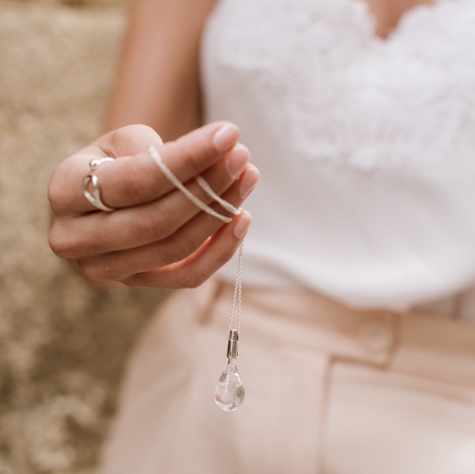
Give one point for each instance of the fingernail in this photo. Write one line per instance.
(242, 225)
(225, 137)
(248, 181)
(237, 161)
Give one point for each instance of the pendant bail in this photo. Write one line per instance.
(233, 344)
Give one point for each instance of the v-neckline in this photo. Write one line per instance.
(394, 32)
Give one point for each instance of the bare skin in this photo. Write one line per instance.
(156, 237)
(158, 81)
(388, 13)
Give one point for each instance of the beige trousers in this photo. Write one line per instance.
(328, 391)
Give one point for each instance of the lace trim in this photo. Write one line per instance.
(351, 97)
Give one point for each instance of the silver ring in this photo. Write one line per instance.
(96, 162)
(95, 197)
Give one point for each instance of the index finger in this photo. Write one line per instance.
(133, 178)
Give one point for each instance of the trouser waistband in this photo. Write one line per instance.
(413, 342)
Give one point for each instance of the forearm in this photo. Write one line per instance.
(158, 76)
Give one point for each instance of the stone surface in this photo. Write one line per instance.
(63, 344)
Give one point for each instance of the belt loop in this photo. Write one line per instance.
(378, 334)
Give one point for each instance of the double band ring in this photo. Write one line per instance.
(92, 181)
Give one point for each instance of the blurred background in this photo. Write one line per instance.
(63, 344)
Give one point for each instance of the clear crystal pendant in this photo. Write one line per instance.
(229, 393)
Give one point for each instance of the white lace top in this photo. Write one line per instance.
(366, 146)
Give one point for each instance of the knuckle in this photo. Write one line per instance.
(140, 280)
(190, 156)
(55, 191)
(60, 241)
(135, 185)
(127, 140)
(224, 256)
(197, 279)
(53, 194)
(152, 226)
(91, 269)
(176, 249)
(191, 153)
(190, 279)
(132, 281)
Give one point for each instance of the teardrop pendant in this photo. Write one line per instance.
(229, 393)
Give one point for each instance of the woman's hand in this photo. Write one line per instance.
(156, 237)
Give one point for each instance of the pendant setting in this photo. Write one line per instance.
(229, 393)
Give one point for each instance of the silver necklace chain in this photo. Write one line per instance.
(237, 296)
(225, 204)
(157, 159)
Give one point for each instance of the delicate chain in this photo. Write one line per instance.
(237, 296)
(207, 188)
(156, 157)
